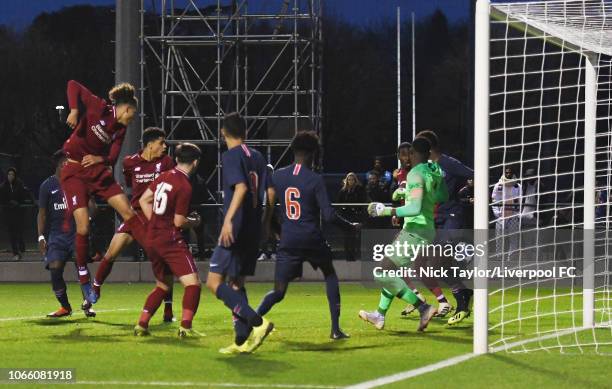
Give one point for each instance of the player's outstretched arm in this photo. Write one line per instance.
(414, 201)
(327, 210)
(457, 168)
(146, 203)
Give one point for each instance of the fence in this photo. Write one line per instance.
(202, 240)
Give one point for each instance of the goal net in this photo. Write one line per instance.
(547, 158)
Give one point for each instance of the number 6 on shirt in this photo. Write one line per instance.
(292, 206)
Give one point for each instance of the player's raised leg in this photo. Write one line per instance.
(93, 146)
(139, 170)
(117, 244)
(81, 246)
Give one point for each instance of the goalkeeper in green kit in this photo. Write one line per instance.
(425, 187)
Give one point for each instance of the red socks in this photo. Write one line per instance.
(153, 302)
(191, 300)
(105, 268)
(81, 244)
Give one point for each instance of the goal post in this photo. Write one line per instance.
(481, 170)
(543, 77)
(590, 119)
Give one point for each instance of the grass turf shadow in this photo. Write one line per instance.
(563, 378)
(254, 365)
(336, 346)
(49, 322)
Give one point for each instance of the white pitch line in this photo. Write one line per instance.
(453, 361)
(412, 373)
(2, 319)
(204, 384)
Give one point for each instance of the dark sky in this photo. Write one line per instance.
(19, 13)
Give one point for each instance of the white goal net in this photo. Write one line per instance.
(548, 153)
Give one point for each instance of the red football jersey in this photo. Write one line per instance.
(97, 132)
(401, 177)
(139, 173)
(171, 196)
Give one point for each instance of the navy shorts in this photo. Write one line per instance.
(289, 262)
(59, 249)
(234, 261)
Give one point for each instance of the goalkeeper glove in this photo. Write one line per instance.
(399, 194)
(378, 209)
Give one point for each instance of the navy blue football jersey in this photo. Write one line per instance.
(243, 164)
(51, 197)
(303, 200)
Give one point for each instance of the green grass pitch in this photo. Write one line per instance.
(298, 353)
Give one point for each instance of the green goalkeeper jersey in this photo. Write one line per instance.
(429, 177)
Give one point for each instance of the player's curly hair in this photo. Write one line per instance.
(305, 142)
(123, 93)
(152, 133)
(187, 152)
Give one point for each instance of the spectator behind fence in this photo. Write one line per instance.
(601, 202)
(466, 198)
(506, 198)
(376, 190)
(13, 195)
(352, 192)
(384, 176)
(536, 207)
(529, 212)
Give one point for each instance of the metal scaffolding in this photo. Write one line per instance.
(203, 59)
